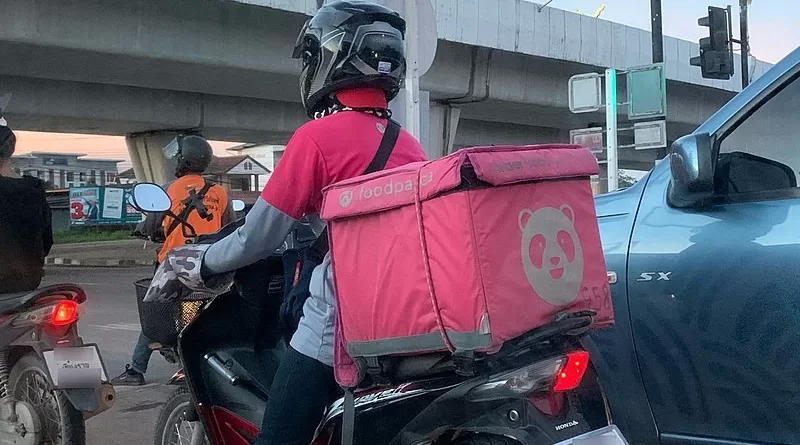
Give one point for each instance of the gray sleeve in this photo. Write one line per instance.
(264, 230)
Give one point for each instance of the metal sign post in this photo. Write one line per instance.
(421, 40)
(412, 123)
(611, 130)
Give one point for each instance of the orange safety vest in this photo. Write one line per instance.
(215, 200)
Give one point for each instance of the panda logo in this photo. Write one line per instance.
(345, 199)
(551, 253)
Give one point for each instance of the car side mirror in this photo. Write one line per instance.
(150, 198)
(692, 166)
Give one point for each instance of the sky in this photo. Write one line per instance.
(773, 23)
(106, 147)
(773, 34)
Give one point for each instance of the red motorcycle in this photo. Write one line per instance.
(527, 393)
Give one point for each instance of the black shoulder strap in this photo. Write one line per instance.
(188, 207)
(388, 141)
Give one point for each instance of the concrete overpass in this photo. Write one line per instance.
(123, 67)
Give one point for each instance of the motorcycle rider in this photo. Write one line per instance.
(26, 232)
(353, 63)
(193, 154)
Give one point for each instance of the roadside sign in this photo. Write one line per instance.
(95, 205)
(591, 138)
(649, 135)
(646, 99)
(585, 93)
(647, 92)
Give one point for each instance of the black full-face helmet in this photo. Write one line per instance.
(192, 153)
(350, 44)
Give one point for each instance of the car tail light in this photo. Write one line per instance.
(572, 371)
(64, 313)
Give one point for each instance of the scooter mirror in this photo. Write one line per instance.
(150, 198)
(238, 205)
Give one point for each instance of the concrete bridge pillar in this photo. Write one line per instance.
(148, 160)
(443, 126)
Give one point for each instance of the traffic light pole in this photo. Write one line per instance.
(744, 43)
(657, 30)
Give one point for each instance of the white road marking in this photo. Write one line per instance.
(130, 327)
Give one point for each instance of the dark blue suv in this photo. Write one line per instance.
(704, 253)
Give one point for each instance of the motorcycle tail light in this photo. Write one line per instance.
(60, 313)
(572, 371)
(519, 382)
(65, 313)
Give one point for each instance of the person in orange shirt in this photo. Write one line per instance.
(196, 200)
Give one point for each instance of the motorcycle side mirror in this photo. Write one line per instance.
(238, 205)
(150, 198)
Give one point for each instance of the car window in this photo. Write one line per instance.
(763, 153)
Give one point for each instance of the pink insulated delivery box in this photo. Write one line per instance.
(465, 252)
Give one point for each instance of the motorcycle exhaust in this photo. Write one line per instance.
(106, 396)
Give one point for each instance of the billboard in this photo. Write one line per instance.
(93, 205)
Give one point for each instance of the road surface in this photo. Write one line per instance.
(110, 319)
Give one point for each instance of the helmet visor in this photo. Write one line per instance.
(172, 149)
(299, 45)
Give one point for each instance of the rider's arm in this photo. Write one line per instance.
(293, 190)
(152, 225)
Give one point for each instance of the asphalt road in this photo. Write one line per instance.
(110, 319)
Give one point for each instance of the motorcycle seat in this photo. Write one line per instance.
(10, 302)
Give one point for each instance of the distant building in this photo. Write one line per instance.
(240, 175)
(237, 173)
(267, 155)
(64, 170)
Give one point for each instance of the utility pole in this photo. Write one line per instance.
(657, 30)
(744, 42)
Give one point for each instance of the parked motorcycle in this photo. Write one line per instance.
(50, 381)
(524, 394)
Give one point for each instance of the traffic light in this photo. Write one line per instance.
(716, 55)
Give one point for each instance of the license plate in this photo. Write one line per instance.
(609, 435)
(76, 367)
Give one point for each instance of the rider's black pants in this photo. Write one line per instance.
(300, 392)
